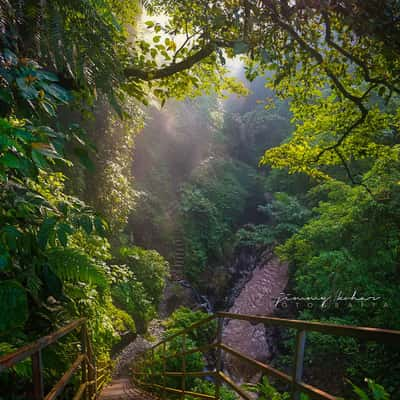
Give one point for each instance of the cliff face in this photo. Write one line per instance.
(256, 296)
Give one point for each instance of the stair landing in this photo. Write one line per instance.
(123, 389)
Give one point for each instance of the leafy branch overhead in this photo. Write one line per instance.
(317, 53)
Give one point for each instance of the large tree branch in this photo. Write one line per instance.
(318, 57)
(190, 61)
(350, 175)
(353, 58)
(359, 101)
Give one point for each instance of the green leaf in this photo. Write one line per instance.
(45, 230)
(156, 39)
(23, 134)
(153, 52)
(57, 92)
(48, 76)
(86, 223)
(10, 57)
(39, 160)
(100, 226)
(13, 305)
(11, 161)
(4, 260)
(6, 142)
(63, 231)
(62, 237)
(378, 391)
(28, 91)
(48, 108)
(11, 234)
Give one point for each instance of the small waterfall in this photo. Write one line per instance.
(201, 300)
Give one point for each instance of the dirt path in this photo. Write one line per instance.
(268, 280)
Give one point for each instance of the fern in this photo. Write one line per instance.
(73, 265)
(84, 40)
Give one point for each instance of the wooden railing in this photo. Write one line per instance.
(84, 361)
(294, 380)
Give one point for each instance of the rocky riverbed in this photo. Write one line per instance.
(254, 295)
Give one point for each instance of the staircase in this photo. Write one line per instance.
(123, 389)
(178, 267)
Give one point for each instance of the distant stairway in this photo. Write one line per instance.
(178, 266)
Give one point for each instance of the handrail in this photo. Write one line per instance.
(386, 336)
(361, 332)
(85, 360)
(11, 359)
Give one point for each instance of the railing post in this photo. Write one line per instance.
(219, 358)
(183, 365)
(298, 363)
(37, 375)
(164, 353)
(152, 365)
(84, 340)
(92, 375)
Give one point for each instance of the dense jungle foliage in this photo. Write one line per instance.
(76, 232)
(66, 190)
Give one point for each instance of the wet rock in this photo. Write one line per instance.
(182, 294)
(260, 285)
